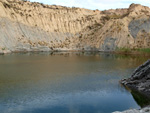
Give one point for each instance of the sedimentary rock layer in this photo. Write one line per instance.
(32, 26)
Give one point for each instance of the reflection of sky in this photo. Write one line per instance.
(95, 100)
(74, 83)
(95, 4)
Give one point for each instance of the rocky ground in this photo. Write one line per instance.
(32, 26)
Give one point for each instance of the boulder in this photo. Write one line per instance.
(139, 80)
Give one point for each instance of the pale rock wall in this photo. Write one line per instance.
(27, 26)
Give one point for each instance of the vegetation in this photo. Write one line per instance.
(146, 50)
(138, 50)
(115, 16)
(123, 49)
(6, 5)
(3, 49)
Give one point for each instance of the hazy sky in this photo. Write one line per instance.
(95, 4)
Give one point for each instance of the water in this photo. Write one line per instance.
(65, 82)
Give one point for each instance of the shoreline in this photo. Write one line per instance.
(77, 50)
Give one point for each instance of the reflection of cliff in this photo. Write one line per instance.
(140, 99)
(27, 26)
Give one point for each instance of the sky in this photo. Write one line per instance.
(95, 4)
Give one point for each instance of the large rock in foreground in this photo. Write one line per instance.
(140, 80)
(139, 84)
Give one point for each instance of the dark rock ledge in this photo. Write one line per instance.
(139, 86)
(139, 80)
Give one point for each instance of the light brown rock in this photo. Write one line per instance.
(26, 25)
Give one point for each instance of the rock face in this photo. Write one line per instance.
(32, 26)
(139, 85)
(140, 79)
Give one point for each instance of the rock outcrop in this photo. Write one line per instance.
(140, 80)
(139, 86)
(32, 26)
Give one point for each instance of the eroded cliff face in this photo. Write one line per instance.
(27, 26)
(121, 28)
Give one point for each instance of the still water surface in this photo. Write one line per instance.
(65, 82)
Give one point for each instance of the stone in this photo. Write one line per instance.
(140, 79)
(139, 85)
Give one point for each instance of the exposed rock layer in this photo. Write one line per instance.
(27, 26)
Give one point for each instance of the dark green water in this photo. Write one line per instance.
(65, 82)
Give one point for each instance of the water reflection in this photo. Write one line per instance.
(78, 82)
(141, 99)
